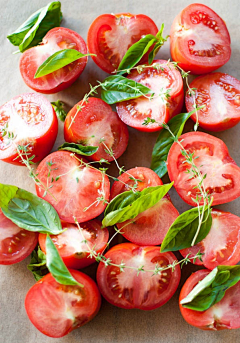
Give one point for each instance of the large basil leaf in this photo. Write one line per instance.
(58, 108)
(125, 206)
(28, 211)
(79, 149)
(212, 288)
(37, 264)
(117, 88)
(182, 232)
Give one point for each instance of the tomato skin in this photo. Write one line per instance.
(214, 160)
(121, 25)
(223, 315)
(56, 39)
(56, 310)
(99, 120)
(220, 93)
(205, 60)
(20, 122)
(65, 244)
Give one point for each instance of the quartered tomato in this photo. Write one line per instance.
(219, 93)
(71, 243)
(27, 120)
(73, 188)
(222, 244)
(222, 173)
(132, 289)
(223, 315)
(199, 40)
(55, 309)
(111, 35)
(161, 108)
(97, 125)
(15, 243)
(59, 38)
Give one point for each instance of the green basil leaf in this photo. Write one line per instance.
(212, 288)
(56, 265)
(37, 264)
(165, 141)
(182, 231)
(28, 211)
(128, 209)
(117, 88)
(160, 42)
(58, 108)
(79, 149)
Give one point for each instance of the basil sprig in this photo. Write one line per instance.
(160, 42)
(79, 149)
(128, 205)
(28, 211)
(37, 264)
(58, 108)
(182, 232)
(212, 288)
(32, 31)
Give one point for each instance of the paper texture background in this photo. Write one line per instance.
(112, 324)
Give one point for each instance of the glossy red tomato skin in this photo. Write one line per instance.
(99, 120)
(75, 193)
(139, 295)
(214, 160)
(221, 316)
(47, 298)
(105, 23)
(222, 244)
(34, 114)
(220, 94)
(78, 259)
(58, 38)
(180, 37)
(16, 243)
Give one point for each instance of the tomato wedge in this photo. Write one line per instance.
(55, 309)
(130, 289)
(27, 120)
(223, 315)
(111, 35)
(200, 40)
(222, 173)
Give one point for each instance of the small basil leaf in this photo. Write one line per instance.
(181, 233)
(28, 211)
(117, 88)
(132, 207)
(58, 108)
(160, 42)
(56, 265)
(122, 200)
(165, 141)
(212, 288)
(79, 149)
(37, 264)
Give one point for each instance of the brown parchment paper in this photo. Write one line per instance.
(111, 324)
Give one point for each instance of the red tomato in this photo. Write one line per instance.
(199, 40)
(111, 35)
(77, 190)
(71, 245)
(222, 244)
(27, 120)
(220, 94)
(59, 38)
(143, 290)
(55, 309)
(223, 315)
(133, 112)
(15, 243)
(223, 174)
(95, 122)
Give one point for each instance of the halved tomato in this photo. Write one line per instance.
(111, 35)
(71, 243)
(132, 289)
(200, 40)
(27, 120)
(56, 39)
(97, 122)
(219, 93)
(211, 158)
